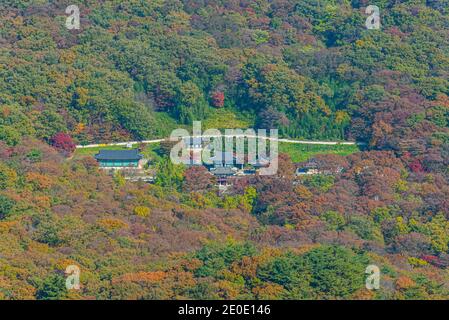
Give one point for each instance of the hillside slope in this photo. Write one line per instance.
(138, 69)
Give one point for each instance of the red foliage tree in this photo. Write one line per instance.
(416, 166)
(198, 179)
(63, 143)
(218, 98)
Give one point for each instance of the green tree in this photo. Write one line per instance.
(327, 272)
(52, 288)
(335, 220)
(168, 174)
(6, 205)
(218, 256)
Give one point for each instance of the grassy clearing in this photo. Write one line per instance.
(94, 151)
(166, 124)
(149, 149)
(226, 119)
(303, 152)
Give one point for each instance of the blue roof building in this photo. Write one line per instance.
(119, 158)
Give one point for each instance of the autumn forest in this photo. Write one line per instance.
(137, 69)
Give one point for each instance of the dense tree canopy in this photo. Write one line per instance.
(138, 69)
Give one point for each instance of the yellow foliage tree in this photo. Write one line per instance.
(142, 211)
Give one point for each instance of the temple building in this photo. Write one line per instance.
(120, 159)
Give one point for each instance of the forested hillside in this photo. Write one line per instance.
(138, 69)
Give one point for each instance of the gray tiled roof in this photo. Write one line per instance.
(118, 155)
(223, 171)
